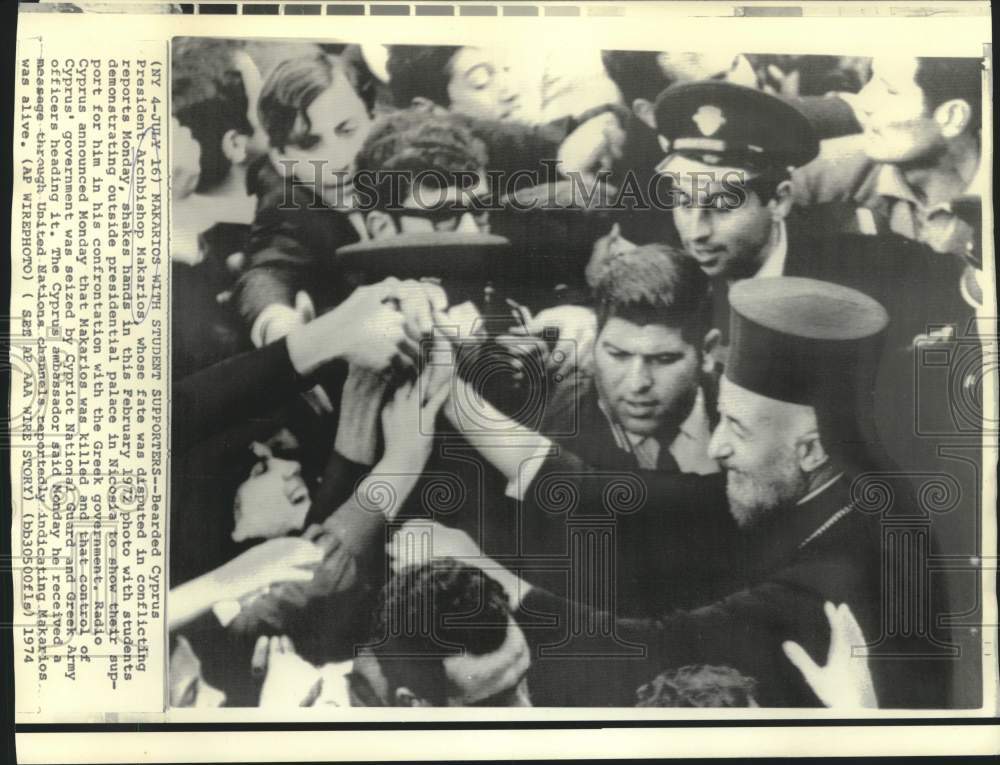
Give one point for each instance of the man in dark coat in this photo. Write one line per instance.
(805, 521)
(730, 151)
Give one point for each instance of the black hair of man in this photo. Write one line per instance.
(698, 686)
(420, 71)
(943, 78)
(291, 88)
(654, 284)
(426, 612)
(210, 99)
(637, 73)
(414, 142)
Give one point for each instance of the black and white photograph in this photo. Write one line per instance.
(562, 376)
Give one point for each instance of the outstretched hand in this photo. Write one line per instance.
(408, 420)
(845, 680)
(284, 559)
(289, 680)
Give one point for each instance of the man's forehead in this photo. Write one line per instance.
(690, 172)
(646, 338)
(895, 69)
(336, 101)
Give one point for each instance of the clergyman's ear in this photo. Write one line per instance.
(810, 451)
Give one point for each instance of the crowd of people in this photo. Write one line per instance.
(512, 377)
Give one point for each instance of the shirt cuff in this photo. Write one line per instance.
(527, 471)
(225, 611)
(273, 323)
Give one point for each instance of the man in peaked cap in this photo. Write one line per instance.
(796, 527)
(730, 151)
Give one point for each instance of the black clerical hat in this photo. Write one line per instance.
(801, 340)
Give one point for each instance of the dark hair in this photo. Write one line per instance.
(209, 98)
(420, 71)
(637, 73)
(655, 284)
(698, 686)
(765, 183)
(415, 141)
(942, 79)
(425, 612)
(292, 87)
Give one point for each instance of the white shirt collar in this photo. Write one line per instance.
(819, 490)
(689, 447)
(777, 251)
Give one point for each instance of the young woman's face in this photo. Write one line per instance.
(483, 84)
(273, 501)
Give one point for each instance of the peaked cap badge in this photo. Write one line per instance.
(709, 119)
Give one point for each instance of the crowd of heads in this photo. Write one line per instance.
(401, 139)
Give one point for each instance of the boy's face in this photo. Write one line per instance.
(339, 123)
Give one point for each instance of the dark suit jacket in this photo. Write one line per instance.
(774, 582)
(291, 246)
(917, 286)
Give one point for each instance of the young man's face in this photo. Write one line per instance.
(483, 85)
(898, 127)
(755, 442)
(647, 375)
(339, 124)
(727, 240)
(272, 501)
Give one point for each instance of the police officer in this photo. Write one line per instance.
(729, 153)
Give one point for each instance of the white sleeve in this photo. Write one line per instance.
(527, 470)
(273, 323)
